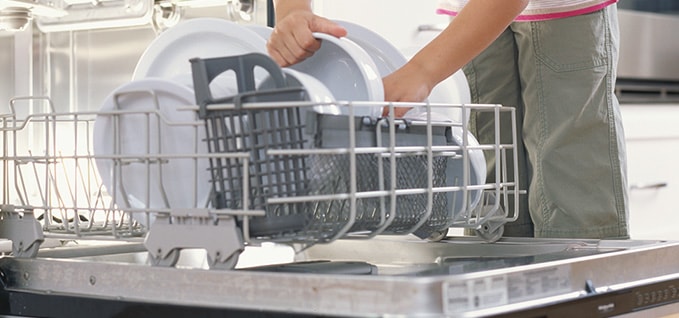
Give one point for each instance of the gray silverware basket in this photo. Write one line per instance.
(323, 178)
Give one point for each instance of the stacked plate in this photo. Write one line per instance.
(143, 119)
(139, 119)
(343, 69)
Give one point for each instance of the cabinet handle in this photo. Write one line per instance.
(648, 186)
(430, 27)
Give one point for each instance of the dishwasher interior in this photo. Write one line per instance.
(362, 205)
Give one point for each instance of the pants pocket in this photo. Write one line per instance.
(571, 44)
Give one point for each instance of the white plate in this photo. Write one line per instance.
(452, 90)
(345, 69)
(168, 55)
(477, 170)
(263, 30)
(386, 56)
(173, 136)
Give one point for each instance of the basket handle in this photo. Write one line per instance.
(204, 71)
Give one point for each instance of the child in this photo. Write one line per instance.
(555, 61)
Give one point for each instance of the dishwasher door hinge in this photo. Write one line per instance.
(181, 229)
(19, 225)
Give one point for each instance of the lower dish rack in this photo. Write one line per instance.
(280, 169)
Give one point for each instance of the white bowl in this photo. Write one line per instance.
(345, 69)
(317, 92)
(386, 56)
(363, 57)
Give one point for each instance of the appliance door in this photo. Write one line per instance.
(647, 48)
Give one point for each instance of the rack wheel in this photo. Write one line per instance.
(30, 252)
(229, 263)
(491, 232)
(168, 261)
(438, 235)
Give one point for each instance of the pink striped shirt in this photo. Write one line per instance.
(538, 10)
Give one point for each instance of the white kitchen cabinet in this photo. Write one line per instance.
(652, 135)
(398, 21)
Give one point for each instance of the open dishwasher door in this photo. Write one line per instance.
(457, 277)
(77, 252)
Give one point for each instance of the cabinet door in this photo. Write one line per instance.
(397, 21)
(652, 135)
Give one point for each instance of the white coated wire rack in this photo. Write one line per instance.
(286, 172)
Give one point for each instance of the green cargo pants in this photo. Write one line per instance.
(560, 76)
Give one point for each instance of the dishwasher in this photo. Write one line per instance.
(371, 208)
